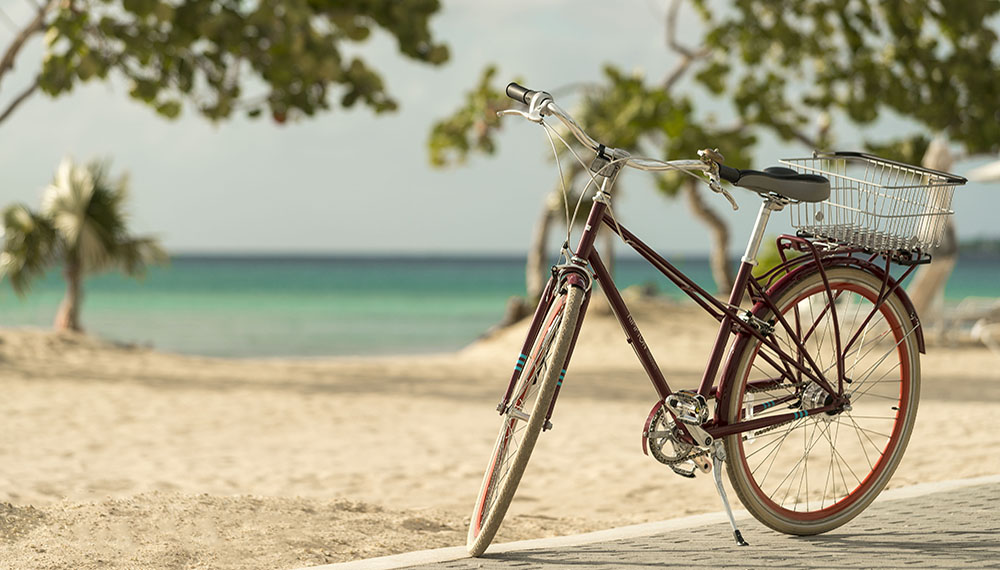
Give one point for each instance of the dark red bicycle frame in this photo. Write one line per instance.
(576, 273)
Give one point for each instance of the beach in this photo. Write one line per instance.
(117, 456)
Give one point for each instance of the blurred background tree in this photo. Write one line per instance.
(933, 63)
(791, 68)
(82, 226)
(217, 57)
(285, 58)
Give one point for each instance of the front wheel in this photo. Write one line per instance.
(817, 472)
(543, 368)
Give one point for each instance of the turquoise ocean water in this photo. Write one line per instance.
(318, 306)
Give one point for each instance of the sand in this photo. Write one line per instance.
(123, 457)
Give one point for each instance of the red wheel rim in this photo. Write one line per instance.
(894, 438)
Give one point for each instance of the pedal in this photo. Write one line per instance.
(691, 409)
(678, 468)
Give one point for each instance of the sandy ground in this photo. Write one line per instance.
(117, 457)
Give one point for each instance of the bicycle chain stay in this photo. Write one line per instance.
(696, 451)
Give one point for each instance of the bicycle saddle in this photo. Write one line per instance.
(779, 180)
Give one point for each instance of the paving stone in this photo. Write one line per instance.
(950, 529)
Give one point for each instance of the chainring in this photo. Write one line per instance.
(662, 438)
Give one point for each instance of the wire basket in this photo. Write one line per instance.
(874, 203)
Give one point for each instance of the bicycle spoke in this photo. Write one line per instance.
(862, 444)
(861, 432)
(840, 464)
(870, 431)
(873, 417)
(773, 455)
(795, 467)
(779, 435)
(887, 354)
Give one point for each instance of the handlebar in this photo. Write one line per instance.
(519, 93)
(541, 103)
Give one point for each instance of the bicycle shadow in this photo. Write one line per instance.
(965, 546)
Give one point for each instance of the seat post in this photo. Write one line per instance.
(771, 204)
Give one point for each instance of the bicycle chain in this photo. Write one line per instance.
(754, 390)
(704, 452)
(689, 457)
(770, 428)
(775, 426)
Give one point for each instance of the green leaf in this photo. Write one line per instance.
(169, 109)
(207, 51)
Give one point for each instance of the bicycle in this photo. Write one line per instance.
(827, 352)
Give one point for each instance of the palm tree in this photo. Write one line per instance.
(82, 225)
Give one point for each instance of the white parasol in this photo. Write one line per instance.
(986, 173)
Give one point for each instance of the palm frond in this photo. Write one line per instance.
(87, 207)
(28, 247)
(135, 255)
(66, 199)
(103, 229)
(83, 221)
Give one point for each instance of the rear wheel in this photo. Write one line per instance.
(817, 472)
(543, 369)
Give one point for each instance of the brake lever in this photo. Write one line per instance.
(716, 185)
(534, 112)
(732, 201)
(533, 117)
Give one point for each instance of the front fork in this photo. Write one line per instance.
(562, 277)
(569, 354)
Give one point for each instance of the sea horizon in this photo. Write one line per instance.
(322, 304)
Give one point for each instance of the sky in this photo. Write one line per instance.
(348, 182)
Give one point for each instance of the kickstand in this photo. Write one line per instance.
(718, 456)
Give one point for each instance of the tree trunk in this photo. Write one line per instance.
(927, 288)
(536, 271)
(719, 255)
(68, 317)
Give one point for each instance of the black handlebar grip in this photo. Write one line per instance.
(729, 174)
(519, 93)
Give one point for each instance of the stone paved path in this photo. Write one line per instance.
(951, 529)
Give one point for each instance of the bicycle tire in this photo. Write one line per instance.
(870, 438)
(535, 388)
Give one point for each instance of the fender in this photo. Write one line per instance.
(577, 278)
(646, 427)
(793, 277)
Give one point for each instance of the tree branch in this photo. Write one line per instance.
(672, 42)
(36, 25)
(19, 99)
(677, 73)
(804, 138)
(688, 55)
(718, 260)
